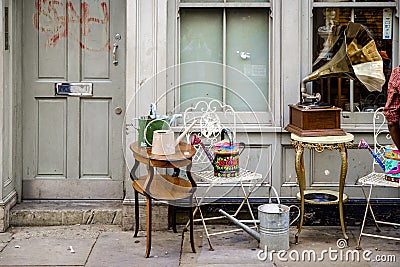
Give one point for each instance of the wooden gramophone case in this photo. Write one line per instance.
(309, 122)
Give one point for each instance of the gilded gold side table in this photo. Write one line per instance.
(319, 144)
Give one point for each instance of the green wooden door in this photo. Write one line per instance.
(73, 144)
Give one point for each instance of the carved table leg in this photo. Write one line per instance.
(343, 173)
(300, 172)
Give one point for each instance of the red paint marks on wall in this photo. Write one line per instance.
(59, 20)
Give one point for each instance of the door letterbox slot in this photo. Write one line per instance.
(74, 89)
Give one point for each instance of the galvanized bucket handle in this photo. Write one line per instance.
(298, 214)
(279, 203)
(276, 195)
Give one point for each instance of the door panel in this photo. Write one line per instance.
(95, 138)
(51, 137)
(73, 146)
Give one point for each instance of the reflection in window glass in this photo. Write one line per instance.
(353, 1)
(247, 52)
(339, 91)
(221, 1)
(247, 1)
(201, 1)
(224, 56)
(333, 1)
(201, 41)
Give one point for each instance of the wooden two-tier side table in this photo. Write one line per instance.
(172, 189)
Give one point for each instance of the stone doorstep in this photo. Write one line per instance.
(56, 213)
(51, 213)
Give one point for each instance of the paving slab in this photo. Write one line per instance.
(46, 252)
(122, 249)
(4, 239)
(50, 246)
(233, 249)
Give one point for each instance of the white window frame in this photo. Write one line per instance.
(360, 121)
(252, 121)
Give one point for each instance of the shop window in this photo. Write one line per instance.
(353, 1)
(224, 53)
(378, 18)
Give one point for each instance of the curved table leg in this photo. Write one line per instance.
(300, 172)
(191, 210)
(136, 213)
(148, 226)
(343, 173)
(133, 178)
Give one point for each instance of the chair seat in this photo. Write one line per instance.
(244, 175)
(377, 179)
(165, 187)
(216, 121)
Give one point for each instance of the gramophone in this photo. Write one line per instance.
(355, 56)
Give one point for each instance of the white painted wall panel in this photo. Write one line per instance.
(291, 34)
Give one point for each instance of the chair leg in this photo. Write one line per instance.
(136, 213)
(191, 227)
(368, 207)
(368, 199)
(372, 212)
(172, 218)
(204, 224)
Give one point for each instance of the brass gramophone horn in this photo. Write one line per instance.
(356, 58)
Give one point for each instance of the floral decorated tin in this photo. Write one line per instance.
(392, 163)
(226, 156)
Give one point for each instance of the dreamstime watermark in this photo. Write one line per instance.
(331, 254)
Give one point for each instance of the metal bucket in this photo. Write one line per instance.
(274, 225)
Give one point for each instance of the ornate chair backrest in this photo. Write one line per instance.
(381, 137)
(211, 116)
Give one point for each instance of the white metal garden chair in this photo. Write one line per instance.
(377, 177)
(213, 116)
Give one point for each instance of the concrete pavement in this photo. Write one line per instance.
(108, 245)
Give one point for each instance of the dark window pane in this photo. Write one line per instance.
(336, 91)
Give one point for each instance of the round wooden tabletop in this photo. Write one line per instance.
(183, 154)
